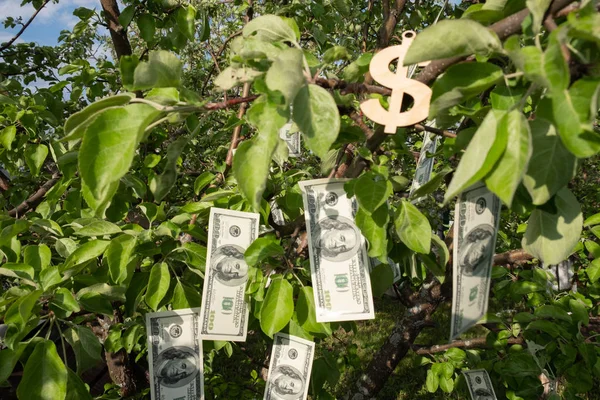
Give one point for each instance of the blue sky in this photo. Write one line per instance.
(46, 27)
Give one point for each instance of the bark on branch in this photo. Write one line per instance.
(118, 34)
(476, 343)
(36, 198)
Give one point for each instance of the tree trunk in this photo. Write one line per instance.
(118, 34)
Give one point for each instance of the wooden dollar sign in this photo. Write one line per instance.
(400, 84)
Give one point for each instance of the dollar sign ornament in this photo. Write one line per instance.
(400, 84)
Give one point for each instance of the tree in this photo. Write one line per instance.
(114, 166)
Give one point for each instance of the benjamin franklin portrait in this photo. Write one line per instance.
(476, 245)
(229, 265)
(176, 367)
(287, 382)
(337, 237)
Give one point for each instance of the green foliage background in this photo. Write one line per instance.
(113, 166)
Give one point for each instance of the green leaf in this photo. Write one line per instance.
(538, 10)
(163, 69)
(64, 299)
(573, 112)
(269, 28)
(413, 228)
(253, 158)
(45, 376)
(147, 27)
(382, 278)
(20, 311)
(185, 296)
(285, 74)
(87, 347)
(98, 228)
(231, 77)
(318, 118)
(506, 176)
(579, 311)
(261, 249)
(593, 270)
(593, 220)
(551, 237)
(452, 38)
(373, 226)
(8, 361)
(158, 285)
(336, 53)
(7, 135)
(462, 82)
(76, 389)
(160, 185)
(483, 151)
(35, 155)
(186, 21)
(372, 191)
(108, 148)
(19, 270)
(548, 69)
(38, 256)
(277, 308)
(432, 382)
(77, 123)
(431, 185)
(85, 252)
(551, 166)
(202, 181)
(552, 312)
(126, 16)
(119, 255)
(306, 311)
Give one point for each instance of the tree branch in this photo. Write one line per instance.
(476, 343)
(512, 257)
(35, 198)
(118, 34)
(504, 28)
(11, 41)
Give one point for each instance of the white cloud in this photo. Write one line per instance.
(51, 14)
(6, 36)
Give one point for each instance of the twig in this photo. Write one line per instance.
(36, 198)
(11, 41)
(437, 131)
(462, 344)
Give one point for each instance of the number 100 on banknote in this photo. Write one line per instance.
(224, 308)
(338, 255)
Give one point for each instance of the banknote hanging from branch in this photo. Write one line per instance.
(476, 221)
(479, 384)
(338, 253)
(400, 85)
(175, 355)
(224, 308)
(290, 367)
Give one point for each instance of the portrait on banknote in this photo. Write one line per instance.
(229, 266)
(336, 237)
(176, 367)
(476, 247)
(287, 382)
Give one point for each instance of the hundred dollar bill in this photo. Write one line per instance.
(425, 163)
(224, 308)
(475, 225)
(338, 256)
(480, 384)
(175, 355)
(289, 370)
(291, 139)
